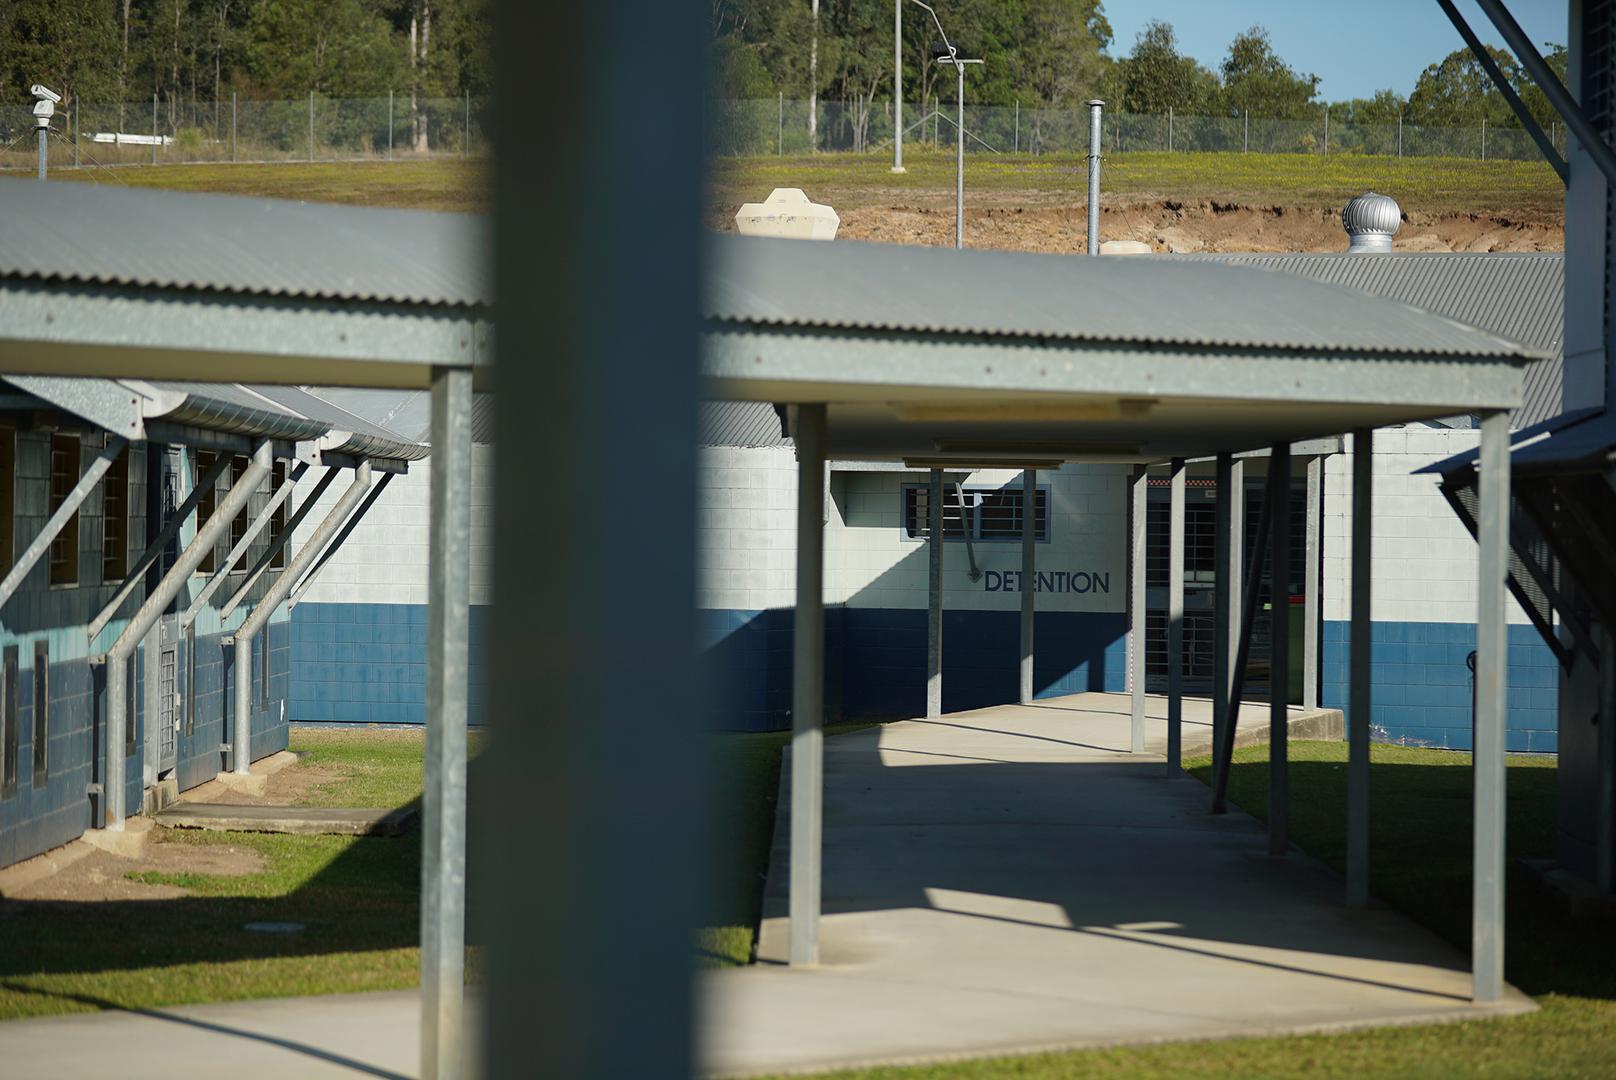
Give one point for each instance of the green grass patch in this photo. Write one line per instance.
(442, 184)
(1432, 184)
(1419, 863)
(377, 768)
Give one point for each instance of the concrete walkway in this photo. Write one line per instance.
(1011, 879)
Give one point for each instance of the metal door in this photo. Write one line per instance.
(168, 717)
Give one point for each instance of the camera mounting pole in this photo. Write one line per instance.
(45, 104)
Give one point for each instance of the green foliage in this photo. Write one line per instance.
(1156, 77)
(1457, 92)
(64, 45)
(1257, 81)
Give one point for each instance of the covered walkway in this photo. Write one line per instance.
(1013, 879)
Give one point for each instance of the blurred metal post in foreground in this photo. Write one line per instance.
(589, 815)
(1095, 108)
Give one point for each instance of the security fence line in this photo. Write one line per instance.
(314, 128)
(781, 126)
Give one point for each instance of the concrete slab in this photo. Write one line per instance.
(288, 819)
(1012, 880)
(346, 1036)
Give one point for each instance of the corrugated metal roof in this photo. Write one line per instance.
(740, 423)
(218, 243)
(1137, 301)
(238, 410)
(364, 437)
(1518, 296)
(409, 412)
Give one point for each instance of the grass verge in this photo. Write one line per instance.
(1420, 863)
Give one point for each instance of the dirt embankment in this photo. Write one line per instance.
(1173, 226)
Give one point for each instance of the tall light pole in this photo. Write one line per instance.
(897, 86)
(959, 147)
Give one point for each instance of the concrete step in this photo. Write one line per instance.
(306, 820)
(160, 796)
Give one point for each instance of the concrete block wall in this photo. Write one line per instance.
(357, 640)
(1424, 603)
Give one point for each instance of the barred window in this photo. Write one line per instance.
(205, 506)
(238, 524)
(64, 476)
(277, 520)
(41, 709)
(8, 497)
(9, 721)
(115, 520)
(990, 513)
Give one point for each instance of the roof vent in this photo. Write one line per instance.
(1371, 220)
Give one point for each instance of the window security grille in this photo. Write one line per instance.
(991, 514)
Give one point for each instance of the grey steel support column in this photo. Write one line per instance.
(897, 86)
(44, 150)
(58, 521)
(1224, 602)
(335, 545)
(807, 687)
(1279, 650)
(1237, 580)
(935, 545)
(1605, 817)
(1175, 622)
(257, 526)
(1310, 582)
(1136, 609)
(443, 825)
(253, 624)
(1094, 175)
(151, 610)
(1029, 576)
(1360, 702)
(278, 544)
(959, 164)
(171, 527)
(1492, 658)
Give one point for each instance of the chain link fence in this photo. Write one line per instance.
(310, 129)
(782, 126)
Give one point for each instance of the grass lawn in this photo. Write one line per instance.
(1420, 863)
(854, 180)
(442, 184)
(357, 897)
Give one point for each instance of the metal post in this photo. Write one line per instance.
(277, 544)
(1246, 145)
(1136, 609)
(1169, 129)
(311, 125)
(465, 143)
(154, 129)
(1484, 138)
(58, 521)
(389, 125)
(808, 680)
(74, 125)
(1605, 817)
(1327, 129)
(1175, 621)
(1237, 566)
(1360, 686)
(151, 610)
(1248, 620)
(254, 624)
(1222, 604)
(897, 86)
(1015, 145)
(959, 164)
(1029, 576)
(780, 136)
(1279, 651)
(44, 150)
(1399, 134)
(443, 824)
(1094, 175)
(1310, 582)
(1492, 533)
(233, 126)
(341, 538)
(935, 544)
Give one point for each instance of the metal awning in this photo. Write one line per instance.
(976, 357)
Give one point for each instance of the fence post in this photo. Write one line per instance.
(311, 125)
(465, 145)
(780, 128)
(1327, 129)
(73, 118)
(1484, 138)
(389, 125)
(1016, 146)
(154, 129)
(233, 126)
(1247, 145)
(1399, 134)
(1169, 129)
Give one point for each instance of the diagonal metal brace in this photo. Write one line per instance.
(1552, 87)
(240, 550)
(280, 542)
(331, 549)
(1271, 496)
(64, 513)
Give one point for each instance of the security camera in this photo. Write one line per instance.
(45, 93)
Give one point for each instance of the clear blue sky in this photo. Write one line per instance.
(1355, 46)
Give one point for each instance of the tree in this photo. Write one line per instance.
(341, 48)
(69, 45)
(1457, 92)
(1384, 109)
(1257, 81)
(1155, 77)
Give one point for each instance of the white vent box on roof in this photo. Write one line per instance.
(787, 213)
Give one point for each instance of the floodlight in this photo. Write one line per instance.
(45, 93)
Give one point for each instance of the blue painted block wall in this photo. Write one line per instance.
(876, 661)
(366, 664)
(1422, 686)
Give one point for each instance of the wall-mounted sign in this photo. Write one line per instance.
(1050, 581)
